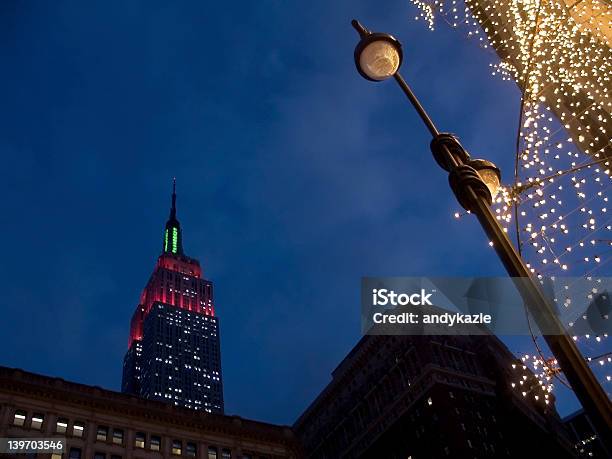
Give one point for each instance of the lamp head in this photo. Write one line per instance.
(489, 173)
(378, 56)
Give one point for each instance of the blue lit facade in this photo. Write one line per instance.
(182, 362)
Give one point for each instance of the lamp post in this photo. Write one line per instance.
(378, 56)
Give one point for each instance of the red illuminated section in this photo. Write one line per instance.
(177, 281)
(184, 265)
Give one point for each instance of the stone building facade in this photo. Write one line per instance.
(102, 424)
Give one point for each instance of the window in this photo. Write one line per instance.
(75, 453)
(226, 454)
(102, 433)
(56, 456)
(19, 418)
(99, 456)
(177, 447)
(191, 449)
(37, 420)
(61, 425)
(78, 428)
(212, 452)
(139, 441)
(118, 436)
(115, 456)
(155, 443)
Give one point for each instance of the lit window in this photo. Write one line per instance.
(20, 417)
(177, 447)
(102, 433)
(37, 420)
(212, 452)
(155, 444)
(226, 454)
(56, 456)
(118, 436)
(61, 426)
(139, 441)
(191, 449)
(77, 429)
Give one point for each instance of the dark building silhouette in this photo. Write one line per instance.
(173, 349)
(586, 441)
(399, 397)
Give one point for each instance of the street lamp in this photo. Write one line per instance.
(378, 56)
(475, 182)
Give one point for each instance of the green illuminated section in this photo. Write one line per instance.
(174, 239)
(166, 241)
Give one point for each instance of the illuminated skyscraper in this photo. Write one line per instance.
(173, 349)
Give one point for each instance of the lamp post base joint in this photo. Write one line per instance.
(448, 151)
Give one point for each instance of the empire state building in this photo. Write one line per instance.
(173, 349)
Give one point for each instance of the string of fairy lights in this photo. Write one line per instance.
(558, 53)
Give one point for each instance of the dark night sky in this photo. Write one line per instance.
(295, 177)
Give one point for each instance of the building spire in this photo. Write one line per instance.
(173, 237)
(173, 208)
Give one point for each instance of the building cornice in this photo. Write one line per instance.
(15, 381)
